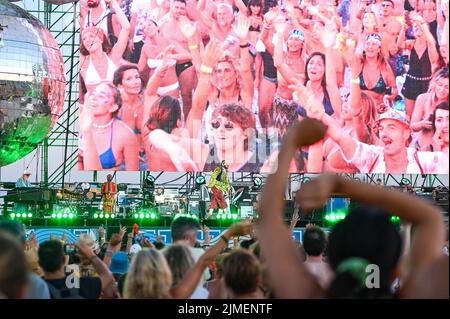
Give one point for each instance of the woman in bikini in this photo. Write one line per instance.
(99, 60)
(421, 121)
(106, 143)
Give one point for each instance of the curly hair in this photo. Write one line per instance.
(236, 113)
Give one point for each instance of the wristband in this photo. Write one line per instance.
(356, 81)
(206, 69)
(244, 46)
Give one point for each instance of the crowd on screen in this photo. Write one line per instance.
(258, 260)
(180, 85)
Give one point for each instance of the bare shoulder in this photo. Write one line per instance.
(124, 130)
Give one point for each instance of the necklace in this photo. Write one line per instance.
(103, 126)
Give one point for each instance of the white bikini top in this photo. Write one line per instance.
(92, 76)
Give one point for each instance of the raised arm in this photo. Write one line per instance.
(189, 32)
(288, 275)
(428, 225)
(269, 18)
(106, 277)
(190, 281)
(204, 88)
(122, 41)
(204, 16)
(246, 60)
(278, 59)
(329, 36)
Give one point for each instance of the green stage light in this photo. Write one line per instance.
(95, 215)
(224, 216)
(234, 216)
(24, 215)
(141, 215)
(200, 180)
(59, 215)
(229, 216)
(113, 216)
(327, 217)
(70, 215)
(147, 216)
(53, 215)
(107, 216)
(153, 216)
(101, 215)
(136, 216)
(30, 215)
(65, 215)
(218, 216)
(12, 215)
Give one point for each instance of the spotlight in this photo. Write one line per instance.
(113, 216)
(12, 215)
(136, 216)
(54, 215)
(70, 215)
(153, 216)
(257, 181)
(30, 215)
(200, 180)
(405, 181)
(95, 215)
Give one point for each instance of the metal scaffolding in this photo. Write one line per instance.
(63, 23)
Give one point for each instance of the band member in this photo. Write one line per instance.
(109, 191)
(22, 182)
(219, 186)
(159, 196)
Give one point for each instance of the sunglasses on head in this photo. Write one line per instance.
(228, 125)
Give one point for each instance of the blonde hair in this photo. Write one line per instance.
(149, 276)
(180, 261)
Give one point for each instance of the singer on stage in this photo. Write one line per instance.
(109, 191)
(219, 186)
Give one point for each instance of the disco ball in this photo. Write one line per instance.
(32, 82)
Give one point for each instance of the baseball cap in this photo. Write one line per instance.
(393, 114)
(119, 263)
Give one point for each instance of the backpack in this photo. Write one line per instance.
(65, 293)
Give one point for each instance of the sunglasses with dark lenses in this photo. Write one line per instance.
(385, 5)
(228, 125)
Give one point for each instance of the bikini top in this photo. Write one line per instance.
(107, 158)
(92, 76)
(379, 88)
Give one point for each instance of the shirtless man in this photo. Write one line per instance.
(184, 69)
(95, 13)
(387, 23)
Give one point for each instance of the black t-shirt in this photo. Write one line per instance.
(90, 287)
